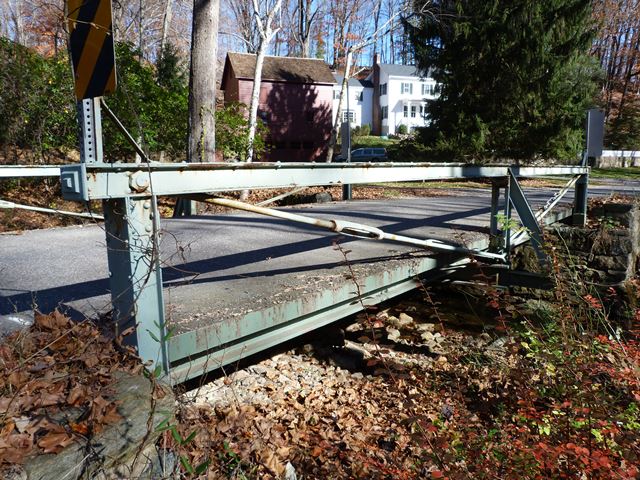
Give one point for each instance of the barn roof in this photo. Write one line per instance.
(279, 69)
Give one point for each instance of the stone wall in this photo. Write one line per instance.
(608, 251)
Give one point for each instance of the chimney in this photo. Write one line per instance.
(376, 114)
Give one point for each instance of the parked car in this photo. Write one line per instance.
(367, 155)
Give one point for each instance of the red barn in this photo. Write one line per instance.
(296, 96)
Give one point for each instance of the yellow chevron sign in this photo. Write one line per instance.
(91, 45)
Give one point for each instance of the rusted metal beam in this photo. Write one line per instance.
(101, 181)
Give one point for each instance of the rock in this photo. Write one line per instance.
(427, 336)
(608, 262)
(323, 197)
(405, 319)
(122, 450)
(393, 334)
(426, 327)
(239, 375)
(290, 472)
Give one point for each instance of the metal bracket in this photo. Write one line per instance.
(73, 181)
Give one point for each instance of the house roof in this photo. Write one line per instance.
(402, 70)
(353, 82)
(279, 69)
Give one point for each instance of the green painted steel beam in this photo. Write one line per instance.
(101, 181)
(195, 352)
(136, 277)
(527, 217)
(213, 346)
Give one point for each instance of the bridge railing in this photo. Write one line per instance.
(129, 193)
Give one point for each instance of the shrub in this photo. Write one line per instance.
(361, 131)
(232, 133)
(402, 129)
(38, 107)
(36, 100)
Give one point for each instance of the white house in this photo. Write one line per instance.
(400, 97)
(392, 95)
(359, 109)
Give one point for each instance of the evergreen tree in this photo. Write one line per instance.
(515, 77)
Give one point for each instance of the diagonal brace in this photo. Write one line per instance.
(527, 217)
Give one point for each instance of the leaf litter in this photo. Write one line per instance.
(55, 380)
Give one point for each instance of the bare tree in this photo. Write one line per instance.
(202, 80)
(242, 13)
(267, 32)
(305, 15)
(384, 29)
(166, 21)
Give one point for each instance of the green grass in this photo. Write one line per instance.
(372, 141)
(628, 173)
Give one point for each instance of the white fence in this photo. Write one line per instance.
(618, 158)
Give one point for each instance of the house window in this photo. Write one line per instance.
(428, 89)
(349, 116)
(406, 87)
(359, 96)
(336, 94)
(405, 111)
(383, 89)
(385, 112)
(413, 111)
(422, 110)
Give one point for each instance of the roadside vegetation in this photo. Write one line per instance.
(625, 173)
(449, 383)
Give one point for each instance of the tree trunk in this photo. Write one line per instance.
(166, 21)
(337, 122)
(202, 81)
(267, 33)
(255, 98)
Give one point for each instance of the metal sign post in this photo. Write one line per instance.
(131, 223)
(595, 142)
(90, 122)
(345, 152)
(595, 134)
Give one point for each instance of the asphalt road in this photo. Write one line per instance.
(223, 263)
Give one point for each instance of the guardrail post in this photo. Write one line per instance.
(506, 228)
(580, 201)
(136, 276)
(495, 198)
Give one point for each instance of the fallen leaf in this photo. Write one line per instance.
(54, 442)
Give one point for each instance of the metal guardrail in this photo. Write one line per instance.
(18, 171)
(100, 181)
(129, 193)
